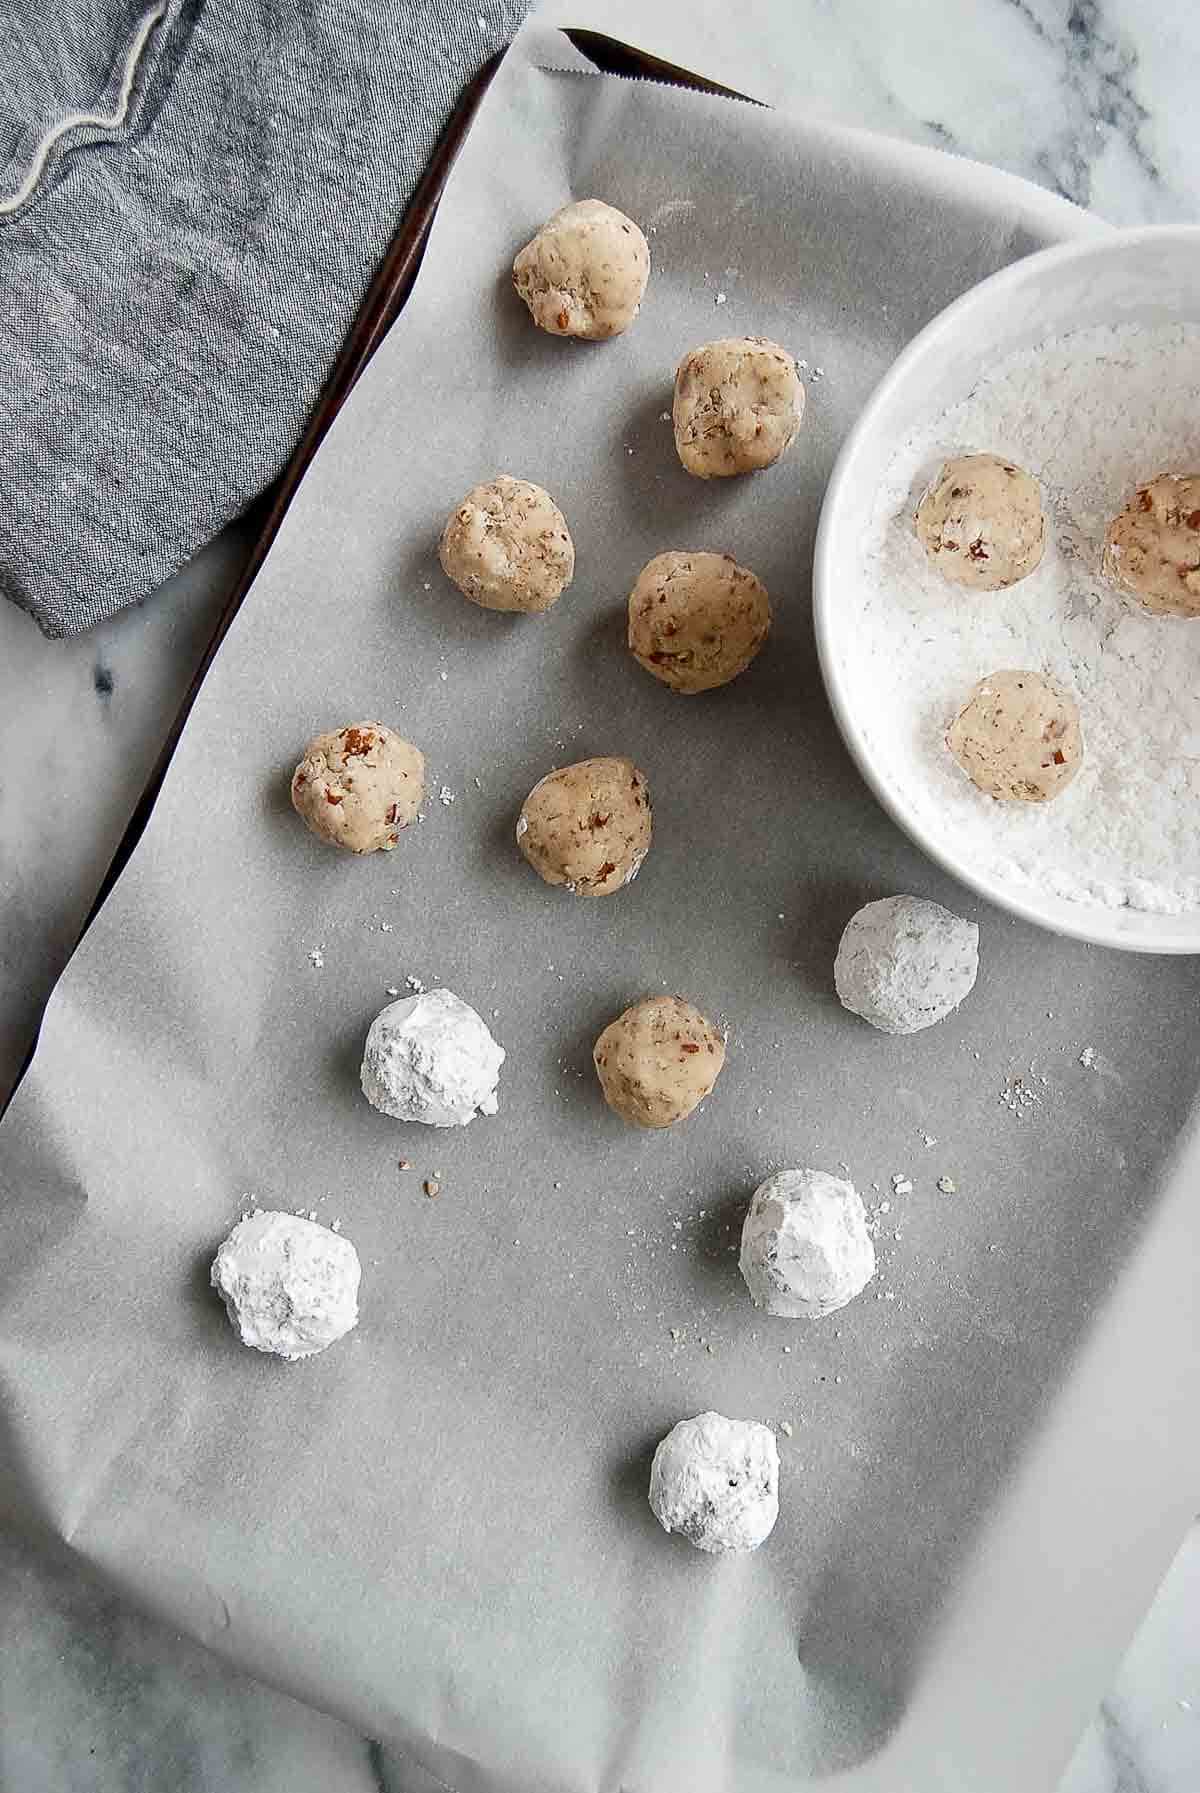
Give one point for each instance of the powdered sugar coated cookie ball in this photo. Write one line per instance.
(289, 1286)
(904, 963)
(1018, 738)
(657, 1061)
(805, 1246)
(588, 826)
(507, 546)
(716, 1482)
(357, 787)
(431, 1058)
(584, 272)
(981, 522)
(1152, 549)
(696, 620)
(738, 405)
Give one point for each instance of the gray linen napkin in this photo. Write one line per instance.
(193, 197)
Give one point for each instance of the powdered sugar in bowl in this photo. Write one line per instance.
(1082, 364)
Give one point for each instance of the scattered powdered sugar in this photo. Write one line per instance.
(1018, 1095)
(1091, 415)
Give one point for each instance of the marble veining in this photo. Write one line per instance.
(1099, 69)
(1092, 98)
(1074, 94)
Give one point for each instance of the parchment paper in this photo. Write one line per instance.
(439, 1528)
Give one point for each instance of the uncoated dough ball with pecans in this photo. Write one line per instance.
(357, 787)
(696, 620)
(507, 546)
(658, 1060)
(1018, 737)
(587, 826)
(1152, 549)
(584, 272)
(981, 522)
(738, 404)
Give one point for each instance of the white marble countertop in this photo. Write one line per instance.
(1092, 98)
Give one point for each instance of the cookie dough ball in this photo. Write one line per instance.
(738, 404)
(905, 963)
(430, 1058)
(716, 1481)
(981, 522)
(696, 620)
(584, 272)
(507, 547)
(357, 787)
(587, 826)
(289, 1286)
(1152, 549)
(1018, 737)
(805, 1246)
(657, 1061)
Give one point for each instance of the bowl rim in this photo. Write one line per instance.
(1090, 925)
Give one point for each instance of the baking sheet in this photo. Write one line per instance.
(439, 1528)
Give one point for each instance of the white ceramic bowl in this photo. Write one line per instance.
(1144, 276)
